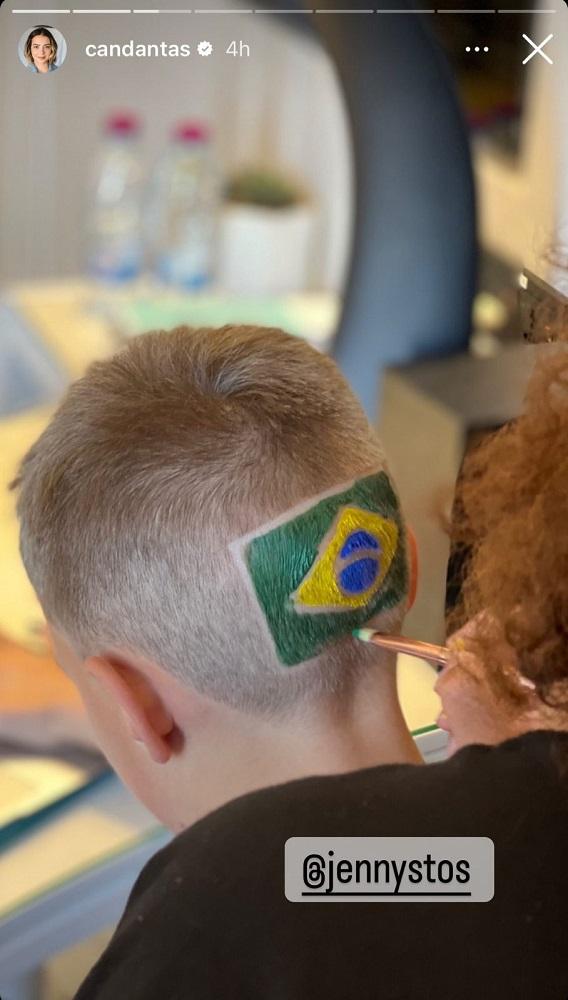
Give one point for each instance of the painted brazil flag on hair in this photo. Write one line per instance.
(329, 568)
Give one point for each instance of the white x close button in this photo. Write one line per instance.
(537, 49)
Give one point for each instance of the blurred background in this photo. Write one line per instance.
(278, 107)
(373, 186)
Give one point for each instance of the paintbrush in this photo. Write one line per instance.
(424, 650)
(400, 644)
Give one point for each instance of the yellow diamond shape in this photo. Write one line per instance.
(320, 591)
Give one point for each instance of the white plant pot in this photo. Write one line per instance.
(266, 251)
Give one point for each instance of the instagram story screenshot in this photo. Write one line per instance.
(283, 500)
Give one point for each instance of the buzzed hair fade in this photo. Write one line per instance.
(157, 459)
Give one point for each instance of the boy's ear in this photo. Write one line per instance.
(413, 560)
(147, 719)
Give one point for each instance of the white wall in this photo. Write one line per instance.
(282, 106)
(524, 204)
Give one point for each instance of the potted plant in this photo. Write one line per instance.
(267, 232)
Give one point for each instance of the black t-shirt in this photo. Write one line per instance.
(207, 917)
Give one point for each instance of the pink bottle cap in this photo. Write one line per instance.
(191, 131)
(123, 123)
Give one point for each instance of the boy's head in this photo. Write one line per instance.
(137, 503)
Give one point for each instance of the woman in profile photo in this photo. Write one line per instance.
(41, 51)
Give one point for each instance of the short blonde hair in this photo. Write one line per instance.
(154, 462)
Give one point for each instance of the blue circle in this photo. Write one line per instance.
(358, 540)
(359, 576)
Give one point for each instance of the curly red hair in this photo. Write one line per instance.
(513, 517)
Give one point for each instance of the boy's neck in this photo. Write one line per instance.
(233, 757)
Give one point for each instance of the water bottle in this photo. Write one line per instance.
(184, 217)
(116, 248)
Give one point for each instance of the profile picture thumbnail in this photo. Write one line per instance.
(42, 49)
